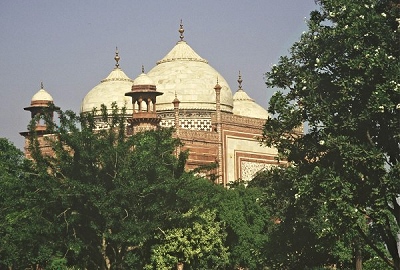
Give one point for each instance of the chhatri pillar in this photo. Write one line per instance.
(144, 96)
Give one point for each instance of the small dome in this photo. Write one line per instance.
(143, 79)
(243, 105)
(183, 72)
(241, 95)
(111, 89)
(42, 95)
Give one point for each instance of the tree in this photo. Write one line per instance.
(303, 235)
(247, 223)
(342, 80)
(111, 192)
(119, 201)
(25, 201)
(198, 244)
(96, 198)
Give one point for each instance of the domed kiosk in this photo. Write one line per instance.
(42, 105)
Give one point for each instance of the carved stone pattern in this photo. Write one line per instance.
(101, 125)
(237, 120)
(185, 114)
(142, 128)
(189, 123)
(167, 123)
(196, 124)
(166, 115)
(188, 135)
(250, 169)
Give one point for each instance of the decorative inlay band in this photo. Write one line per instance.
(250, 169)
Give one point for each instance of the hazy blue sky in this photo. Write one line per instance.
(70, 45)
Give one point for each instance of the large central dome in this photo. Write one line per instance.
(182, 73)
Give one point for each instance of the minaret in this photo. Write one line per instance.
(176, 121)
(176, 114)
(217, 89)
(144, 95)
(39, 108)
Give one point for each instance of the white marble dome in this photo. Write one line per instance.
(143, 79)
(182, 73)
(111, 89)
(42, 95)
(243, 105)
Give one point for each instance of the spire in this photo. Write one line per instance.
(217, 86)
(142, 69)
(116, 58)
(240, 81)
(176, 120)
(181, 30)
(41, 85)
(176, 100)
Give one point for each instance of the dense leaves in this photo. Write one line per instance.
(342, 81)
(95, 198)
(247, 225)
(113, 191)
(198, 243)
(25, 203)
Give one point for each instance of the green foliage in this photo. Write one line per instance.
(102, 200)
(198, 243)
(106, 199)
(25, 202)
(58, 264)
(113, 191)
(342, 79)
(305, 232)
(246, 223)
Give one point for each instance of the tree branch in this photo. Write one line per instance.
(162, 231)
(376, 249)
(396, 210)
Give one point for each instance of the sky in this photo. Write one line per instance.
(70, 45)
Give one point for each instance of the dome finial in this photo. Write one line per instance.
(181, 30)
(116, 58)
(217, 86)
(142, 68)
(176, 104)
(41, 85)
(240, 81)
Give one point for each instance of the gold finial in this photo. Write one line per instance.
(240, 81)
(116, 58)
(142, 69)
(181, 30)
(41, 85)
